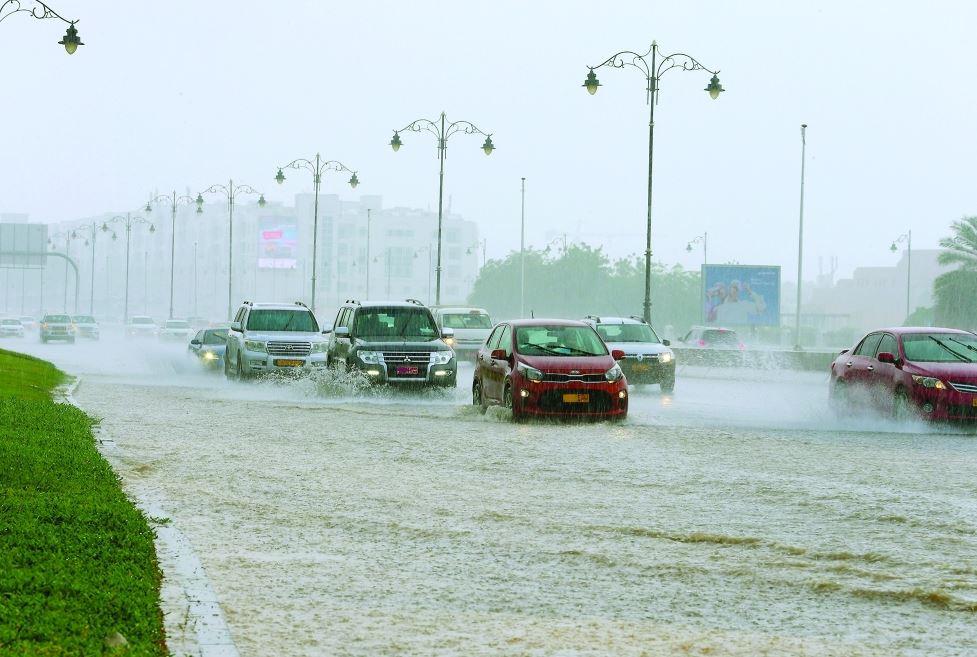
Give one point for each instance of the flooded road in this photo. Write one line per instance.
(734, 517)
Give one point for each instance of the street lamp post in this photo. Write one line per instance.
(442, 130)
(369, 214)
(174, 202)
(430, 254)
(522, 251)
(92, 230)
(800, 242)
(70, 40)
(230, 191)
(906, 237)
(659, 65)
(474, 249)
(317, 168)
(66, 235)
(128, 221)
(700, 239)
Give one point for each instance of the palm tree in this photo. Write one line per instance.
(961, 248)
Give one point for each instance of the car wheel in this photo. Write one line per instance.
(507, 402)
(240, 369)
(838, 398)
(227, 368)
(901, 407)
(478, 399)
(668, 385)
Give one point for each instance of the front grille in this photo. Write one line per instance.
(964, 387)
(297, 349)
(646, 358)
(408, 357)
(552, 401)
(551, 377)
(961, 412)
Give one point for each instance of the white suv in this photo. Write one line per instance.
(273, 337)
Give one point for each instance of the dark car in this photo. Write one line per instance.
(926, 372)
(392, 342)
(208, 346)
(550, 367)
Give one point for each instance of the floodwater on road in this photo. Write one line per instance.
(733, 517)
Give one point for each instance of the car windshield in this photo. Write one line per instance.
(627, 333)
(215, 336)
(142, 320)
(559, 341)
(177, 324)
(415, 323)
(57, 319)
(10, 322)
(84, 319)
(470, 320)
(282, 320)
(720, 337)
(940, 347)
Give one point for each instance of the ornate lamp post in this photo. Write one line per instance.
(652, 71)
(474, 249)
(230, 191)
(128, 221)
(70, 40)
(89, 233)
(700, 239)
(66, 236)
(442, 130)
(906, 237)
(174, 200)
(317, 168)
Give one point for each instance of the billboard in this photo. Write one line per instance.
(19, 239)
(741, 295)
(277, 243)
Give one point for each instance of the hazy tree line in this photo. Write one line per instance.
(955, 292)
(581, 281)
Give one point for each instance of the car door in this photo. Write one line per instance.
(859, 367)
(498, 369)
(483, 363)
(198, 338)
(882, 377)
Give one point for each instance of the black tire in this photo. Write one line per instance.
(227, 368)
(507, 402)
(240, 375)
(478, 399)
(901, 407)
(668, 385)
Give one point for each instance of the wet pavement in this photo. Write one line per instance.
(733, 517)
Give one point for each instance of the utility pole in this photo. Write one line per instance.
(522, 253)
(800, 244)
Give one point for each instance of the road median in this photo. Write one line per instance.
(78, 569)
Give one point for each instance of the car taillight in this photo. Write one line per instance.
(742, 347)
(702, 343)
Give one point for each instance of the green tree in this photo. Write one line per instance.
(956, 290)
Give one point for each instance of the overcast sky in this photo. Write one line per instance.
(184, 94)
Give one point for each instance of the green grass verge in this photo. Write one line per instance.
(77, 561)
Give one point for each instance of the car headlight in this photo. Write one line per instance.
(928, 382)
(210, 355)
(255, 345)
(530, 373)
(320, 347)
(369, 357)
(614, 374)
(441, 357)
(449, 341)
(665, 357)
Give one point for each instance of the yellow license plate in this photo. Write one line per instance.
(281, 362)
(973, 402)
(576, 399)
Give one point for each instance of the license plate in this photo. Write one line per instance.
(282, 362)
(973, 402)
(572, 398)
(407, 370)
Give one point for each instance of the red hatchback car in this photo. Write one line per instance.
(550, 367)
(929, 373)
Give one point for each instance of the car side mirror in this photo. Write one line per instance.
(617, 354)
(447, 333)
(886, 357)
(195, 341)
(498, 354)
(236, 326)
(326, 331)
(341, 331)
(667, 343)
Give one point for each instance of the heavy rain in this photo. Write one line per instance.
(645, 351)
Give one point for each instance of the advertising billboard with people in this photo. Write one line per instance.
(741, 295)
(277, 243)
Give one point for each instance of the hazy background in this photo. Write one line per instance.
(185, 94)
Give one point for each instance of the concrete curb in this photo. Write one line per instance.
(193, 618)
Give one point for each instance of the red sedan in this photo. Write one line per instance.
(929, 373)
(549, 367)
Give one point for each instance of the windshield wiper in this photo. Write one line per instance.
(540, 347)
(963, 344)
(960, 357)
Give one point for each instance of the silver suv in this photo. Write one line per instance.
(647, 358)
(273, 337)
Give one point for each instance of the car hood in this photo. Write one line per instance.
(472, 335)
(643, 348)
(400, 345)
(295, 336)
(215, 348)
(568, 364)
(961, 372)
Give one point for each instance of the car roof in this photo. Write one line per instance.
(612, 320)
(547, 322)
(903, 330)
(384, 304)
(712, 328)
(459, 309)
(271, 305)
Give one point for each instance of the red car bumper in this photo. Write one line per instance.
(945, 405)
(570, 399)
